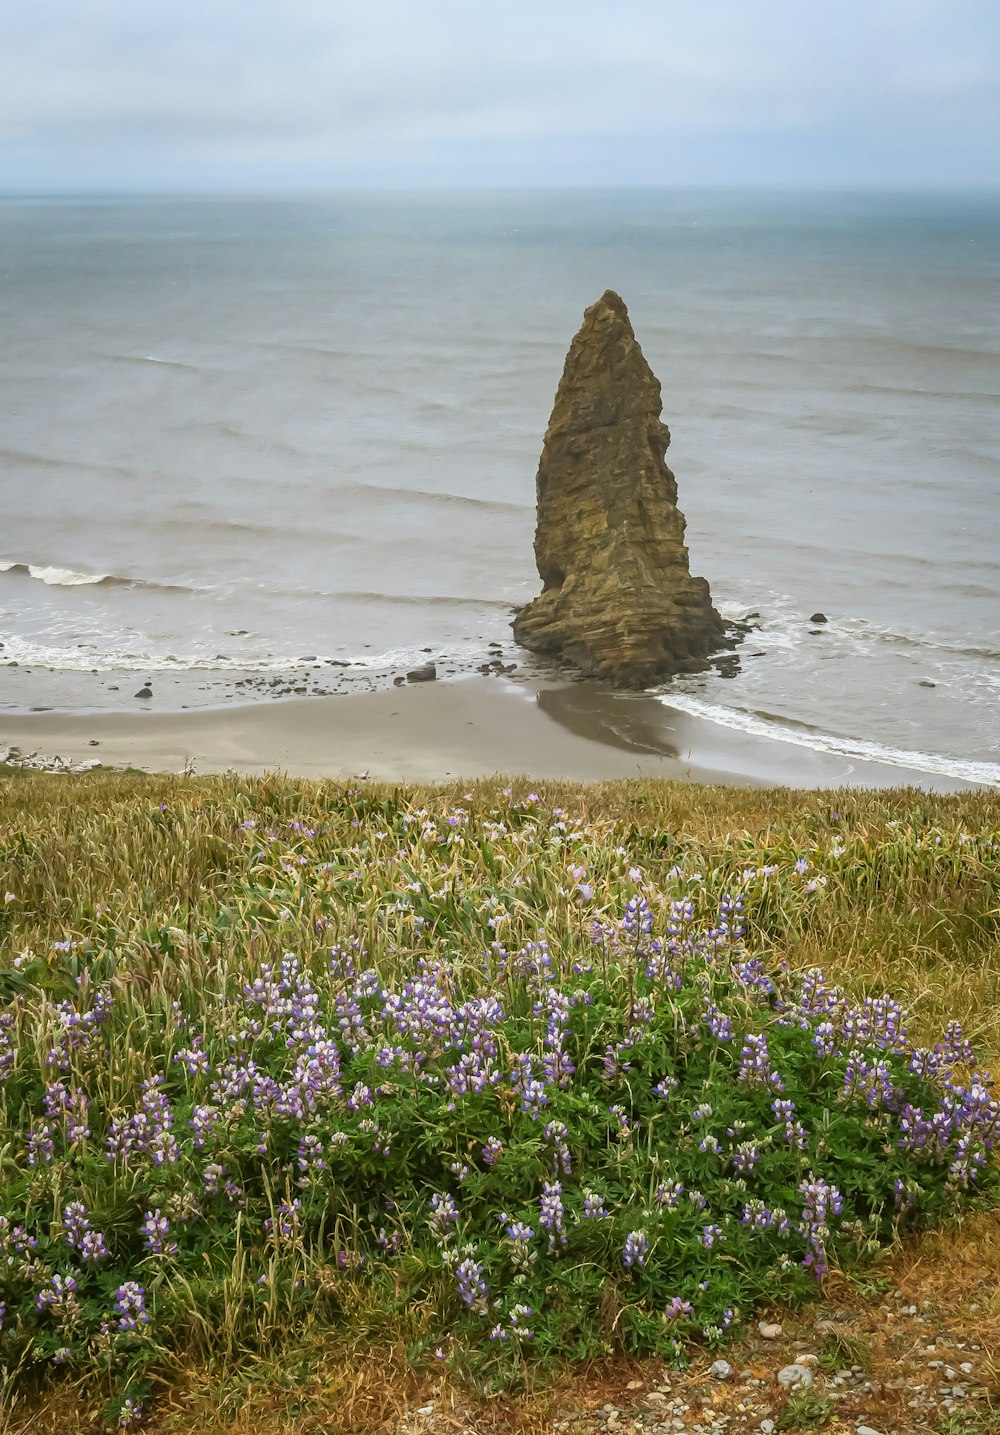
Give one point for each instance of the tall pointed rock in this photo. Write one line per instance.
(618, 600)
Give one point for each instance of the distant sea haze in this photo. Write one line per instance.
(239, 432)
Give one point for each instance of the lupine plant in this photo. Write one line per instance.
(528, 1129)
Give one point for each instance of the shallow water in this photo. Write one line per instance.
(239, 432)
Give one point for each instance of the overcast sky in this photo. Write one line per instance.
(293, 93)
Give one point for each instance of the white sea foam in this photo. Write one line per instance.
(130, 658)
(860, 749)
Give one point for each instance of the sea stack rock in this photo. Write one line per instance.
(618, 600)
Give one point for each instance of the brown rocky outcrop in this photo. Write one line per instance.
(618, 600)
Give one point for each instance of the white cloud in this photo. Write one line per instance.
(322, 89)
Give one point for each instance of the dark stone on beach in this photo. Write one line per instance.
(819, 618)
(618, 600)
(727, 665)
(398, 682)
(815, 632)
(94, 742)
(311, 659)
(424, 674)
(926, 683)
(427, 650)
(113, 688)
(144, 693)
(748, 616)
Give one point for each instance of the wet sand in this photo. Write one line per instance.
(464, 728)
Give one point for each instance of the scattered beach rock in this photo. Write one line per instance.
(926, 683)
(426, 673)
(819, 618)
(794, 1377)
(618, 600)
(769, 1330)
(721, 1370)
(145, 692)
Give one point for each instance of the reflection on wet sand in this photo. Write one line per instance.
(633, 721)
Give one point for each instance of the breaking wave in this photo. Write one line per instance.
(55, 577)
(775, 729)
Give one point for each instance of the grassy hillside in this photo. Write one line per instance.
(492, 1080)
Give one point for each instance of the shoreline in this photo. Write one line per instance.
(463, 727)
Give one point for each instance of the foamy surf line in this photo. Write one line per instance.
(860, 749)
(28, 654)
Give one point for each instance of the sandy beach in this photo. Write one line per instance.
(464, 728)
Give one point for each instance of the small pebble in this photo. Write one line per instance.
(866, 1430)
(770, 1330)
(721, 1370)
(767, 1426)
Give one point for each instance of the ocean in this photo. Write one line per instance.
(241, 433)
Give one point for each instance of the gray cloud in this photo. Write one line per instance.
(448, 91)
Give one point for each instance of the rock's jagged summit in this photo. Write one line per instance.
(618, 600)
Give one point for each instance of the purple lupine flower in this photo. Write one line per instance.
(593, 1208)
(824, 1039)
(492, 1151)
(708, 1235)
(310, 1154)
(193, 1058)
(821, 1201)
(444, 1214)
(93, 1247)
(472, 1289)
(755, 1065)
(130, 1306)
(520, 1237)
(130, 1414)
(555, 1134)
(745, 1157)
(212, 1178)
(718, 1024)
(156, 1230)
(76, 1222)
(638, 918)
(871, 1081)
(79, 1234)
(667, 1195)
(635, 1250)
(284, 1224)
(59, 1290)
(550, 1216)
(41, 1147)
(676, 1308)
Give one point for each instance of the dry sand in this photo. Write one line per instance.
(466, 728)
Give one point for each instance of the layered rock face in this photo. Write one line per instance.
(618, 600)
